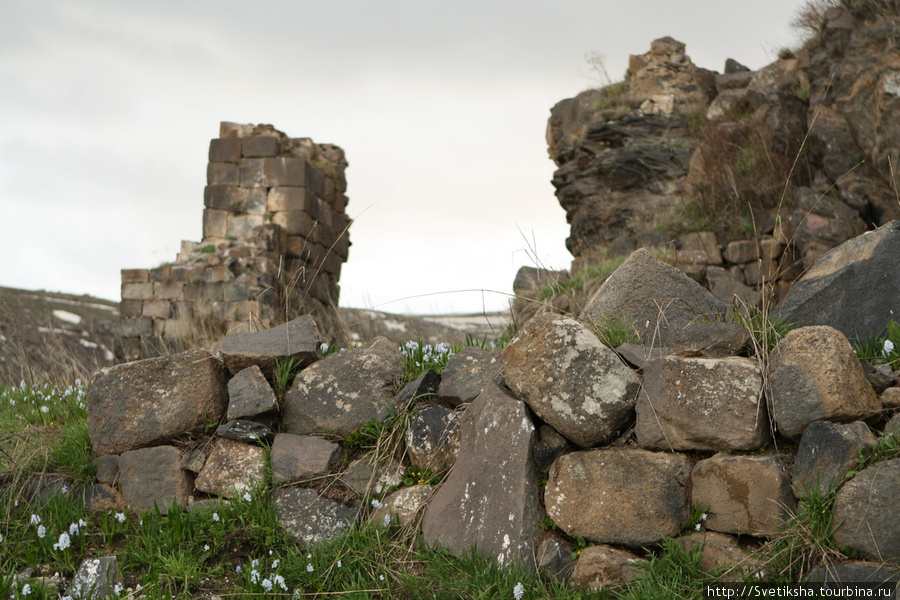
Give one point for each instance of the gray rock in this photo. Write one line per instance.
(96, 578)
(604, 566)
(638, 355)
(490, 498)
(554, 558)
(865, 510)
(570, 379)
(745, 494)
(152, 401)
(432, 438)
(297, 457)
(250, 395)
(666, 308)
(249, 432)
(151, 477)
(598, 495)
(727, 289)
(344, 390)
(365, 477)
(107, 469)
(100, 496)
(880, 376)
(310, 518)
(232, 469)
(851, 288)
(467, 373)
(298, 339)
(892, 427)
(826, 453)
(701, 404)
(800, 391)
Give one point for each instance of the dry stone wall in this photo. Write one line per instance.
(616, 448)
(275, 235)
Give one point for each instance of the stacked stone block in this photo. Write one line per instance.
(275, 235)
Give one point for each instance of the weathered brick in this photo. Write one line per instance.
(137, 291)
(284, 171)
(225, 197)
(295, 222)
(225, 150)
(741, 251)
(252, 173)
(163, 273)
(221, 173)
(167, 291)
(216, 274)
(193, 291)
(158, 309)
(291, 198)
(256, 201)
(244, 310)
(139, 326)
(214, 291)
(134, 275)
(259, 146)
(130, 308)
(215, 223)
(241, 226)
(315, 180)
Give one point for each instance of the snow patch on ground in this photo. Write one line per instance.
(64, 315)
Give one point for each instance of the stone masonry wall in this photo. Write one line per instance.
(275, 235)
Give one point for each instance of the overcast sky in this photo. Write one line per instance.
(107, 108)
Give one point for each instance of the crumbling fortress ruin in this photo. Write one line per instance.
(275, 234)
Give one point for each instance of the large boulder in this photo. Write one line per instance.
(570, 379)
(865, 510)
(619, 496)
(489, 500)
(298, 340)
(800, 391)
(150, 402)
(701, 404)
(854, 288)
(344, 390)
(666, 308)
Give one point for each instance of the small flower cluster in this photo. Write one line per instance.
(268, 582)
(418, 357)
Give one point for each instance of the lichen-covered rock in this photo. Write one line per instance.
(310, 518)
(800, 391)
(570, 379)
(619, 496)
(865, 510)
(604, 566)
(343, 390)
(467, 373)
(232, 469)
(249, 395)
(701, 404)
(96, 578)
(745, 494)
(150, 402)
(489, 500)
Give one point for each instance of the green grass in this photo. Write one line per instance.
(883, 349)
(578, 282)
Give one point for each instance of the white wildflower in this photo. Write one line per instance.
(118, 588)
(323, 348)
(35, 519)
(26, 589)
(63, 543)
(247, 497)
(887, 349)
(339, 564)
(275, 564)
(267, 585)
(254, 576)
(120, 517)
(42, 531)
(381, 578)
(518, 591)
(238, 569)
(697, 527)
(45, 410)
(387, 520)
(279, 581)
(254, 564)
(703, 516)
(215, 517)
(206, 547)
(376, 503)
(310, 568)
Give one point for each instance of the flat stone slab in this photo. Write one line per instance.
(310, 518)
(232, 469)
(298, 339)
(249, 395)
(153, 477)
(298, 457)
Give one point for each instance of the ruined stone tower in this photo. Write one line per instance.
(275, 234)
